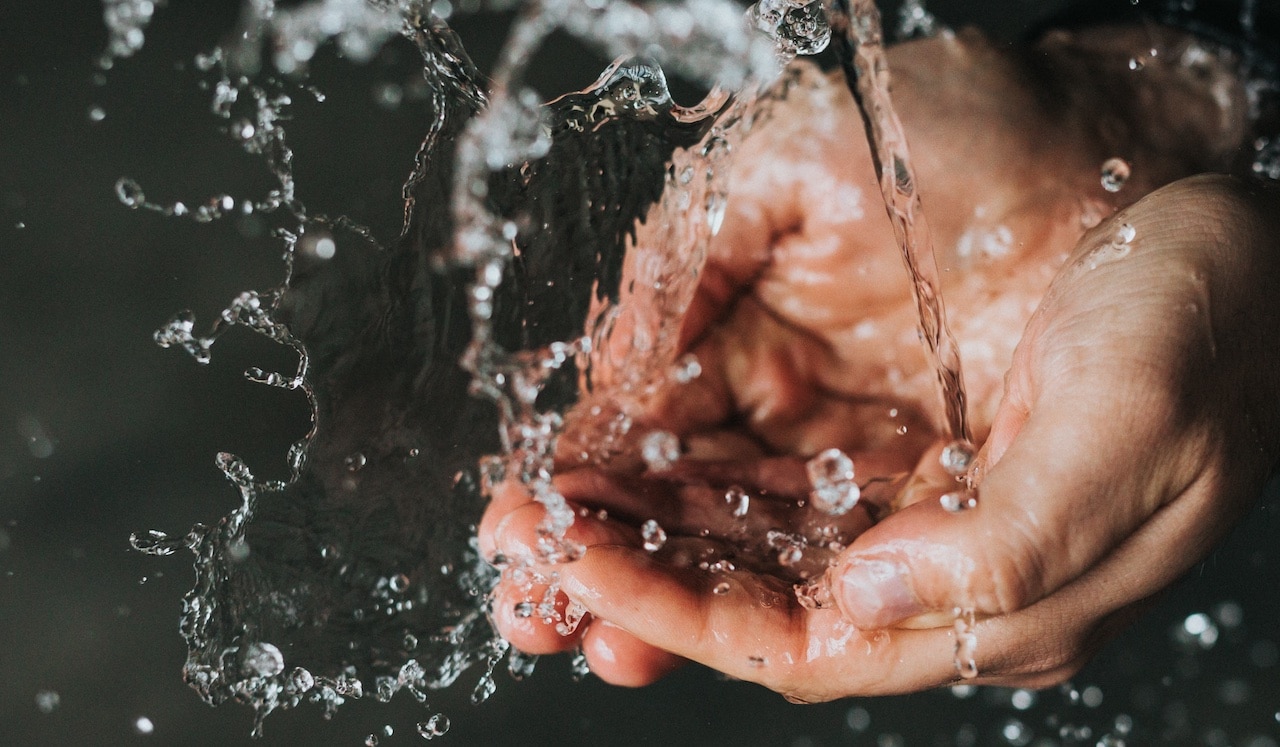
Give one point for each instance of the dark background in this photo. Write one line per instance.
(102, 433)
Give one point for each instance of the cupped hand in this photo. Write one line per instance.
(1136, 421)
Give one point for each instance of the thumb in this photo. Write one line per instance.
(1074, 478)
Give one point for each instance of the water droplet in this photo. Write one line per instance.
(959, 501)
(325, 248)
(371, 740)
(1136, 63)
(47, 701)
(687, 369)
(262, 660)
(144, 726)
(130, 193)
(721, 588)
(1015, 733)
(355, 462)
(1115, 173)
(660, 451)
(815, 595)
(956, 458)
(831, 477)
(433, 727)
(796, 26)
(653, 535)
(738, 500)
(966, 643)
(97, 114)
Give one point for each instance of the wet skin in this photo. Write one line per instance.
(1127, 400)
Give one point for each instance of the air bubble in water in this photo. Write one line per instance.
(660, 451)
(436, 726)
(831, 477)
(654, 536)
(956, 458)
(1115, 173)
(959, 501)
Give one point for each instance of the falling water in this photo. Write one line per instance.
(860, 45)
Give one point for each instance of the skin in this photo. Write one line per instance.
(1125, 395)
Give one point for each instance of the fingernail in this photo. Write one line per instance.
(875, 594)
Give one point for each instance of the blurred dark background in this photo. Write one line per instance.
(102, 433)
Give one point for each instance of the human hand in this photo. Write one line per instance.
(1119, 439)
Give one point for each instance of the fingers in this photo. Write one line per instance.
(619, 658)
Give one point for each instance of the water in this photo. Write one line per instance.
(860, 47)
(543, 310)
(399, 576)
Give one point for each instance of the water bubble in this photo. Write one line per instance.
(144, 726)
(325, 248)
(959, 501)
(915, 21)
(653, 535)
(573, 614)
(831, 477)
(956, 458)
(355, 462)
(371, 740)
(1115, 173)
(521, 665)
(97, 114)
(47, 701)
(1228, 614)
(436, 726)
(660, 451)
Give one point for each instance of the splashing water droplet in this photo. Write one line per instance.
(653, 535)
(796, 26)
(130, 193)
(815, 595)
(686, 369)
(831, 477)
(956, 458)
(436, 726)
(959, 501)
(660, 451)
(1115, 174)
(47, 701)
(262, 660)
